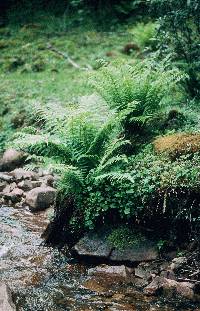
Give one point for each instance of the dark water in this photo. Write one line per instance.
(44, 280)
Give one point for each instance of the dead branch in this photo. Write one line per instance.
(66, 56)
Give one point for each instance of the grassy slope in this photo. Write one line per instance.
(29, 71)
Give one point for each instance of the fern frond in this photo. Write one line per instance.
(115, 176)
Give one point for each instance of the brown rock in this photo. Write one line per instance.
(40, 198)
(11, 159)
(114, 270)
(94, 285)
(170, 287)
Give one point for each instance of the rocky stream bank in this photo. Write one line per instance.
(97, 277)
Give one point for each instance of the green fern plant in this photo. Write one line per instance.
(135, 92)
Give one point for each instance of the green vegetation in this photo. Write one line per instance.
(98, 126)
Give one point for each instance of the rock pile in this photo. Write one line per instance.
(20, 187)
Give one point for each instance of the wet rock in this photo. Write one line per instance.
(20, 174)
(40, 198)
(144, 251)
(94, 285)
(15, 195)
(170, 288)
(5, 177)
(93, 246)
(6, 303)
(177, 263)
(122, 270)
(11, 159)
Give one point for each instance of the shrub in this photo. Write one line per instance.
(179, 34)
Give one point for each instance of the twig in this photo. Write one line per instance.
(66, 56)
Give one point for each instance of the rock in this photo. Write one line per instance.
(36, 183)
(144, 251)
(11, 159)
(3, 184)
(93, 246)
(145, 270)
(25, 185)
(6, 303)
(6, 177)
(170, 288)
(177, 263)
(15, 195)
(114, 270)
(47, 180)
(28, 185)
(40, 198)
(19, 174)
(94, 285)
(9, 188)
(155, 286)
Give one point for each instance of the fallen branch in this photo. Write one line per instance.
(66, 56)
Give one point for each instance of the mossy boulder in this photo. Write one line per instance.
(178, 144)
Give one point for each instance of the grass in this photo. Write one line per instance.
(29, 71)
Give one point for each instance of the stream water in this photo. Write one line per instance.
(42, 279)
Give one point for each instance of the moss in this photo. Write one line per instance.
(178, 144)
(123, 237)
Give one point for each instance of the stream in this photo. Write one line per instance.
(42, 279)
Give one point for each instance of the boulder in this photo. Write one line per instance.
(20, 174)
(121, 271)
(40, 198)
(11, 159)
(170, 288)
(144, 251)
(6, 303)
(92, 245)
